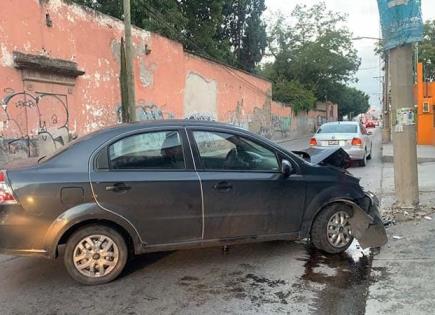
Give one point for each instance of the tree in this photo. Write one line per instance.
(231, 31)
(351, 101)
(204, 18)
(315, 53)
(246, 32)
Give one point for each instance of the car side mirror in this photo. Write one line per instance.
(286, 168)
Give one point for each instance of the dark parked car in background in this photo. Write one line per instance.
(164, 185)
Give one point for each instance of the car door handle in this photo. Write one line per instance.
(223, 186)
(118, 187)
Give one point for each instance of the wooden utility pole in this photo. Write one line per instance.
(129, 71)
(404, 128)
(386, 120)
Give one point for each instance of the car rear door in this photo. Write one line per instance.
(245, 194)
(148, 178)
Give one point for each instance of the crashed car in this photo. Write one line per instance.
(165, 185)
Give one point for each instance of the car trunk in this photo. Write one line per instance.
(21, 164)
(343, 140)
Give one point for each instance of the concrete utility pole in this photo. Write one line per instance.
(404, 135)
(129, 63)
(386, 131)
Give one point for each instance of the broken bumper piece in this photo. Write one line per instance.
(367, 227)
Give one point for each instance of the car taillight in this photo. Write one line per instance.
(6, 195)
(357, 142)
(313, 141)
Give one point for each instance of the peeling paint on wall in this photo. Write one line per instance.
(140, 49)
(6, 59)
(146, 74)
(200, 96)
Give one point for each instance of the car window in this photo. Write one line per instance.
(338, 128)
(223, 151)
(153, 150)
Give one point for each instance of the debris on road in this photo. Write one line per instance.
(397, 237)
(428, 218)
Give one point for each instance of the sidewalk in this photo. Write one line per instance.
(425, 153)
(426, 176)
(402, 272)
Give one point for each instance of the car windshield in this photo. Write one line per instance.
(338, 128)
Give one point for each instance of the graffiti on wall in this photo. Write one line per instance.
(238, 116)
(261, 120)
(148, 111)
(32, 124)
(281, 125)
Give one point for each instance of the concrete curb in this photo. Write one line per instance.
(390, 159)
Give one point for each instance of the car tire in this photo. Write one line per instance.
(363, 162)
(322, 233)
(369, 157)
(99, 247)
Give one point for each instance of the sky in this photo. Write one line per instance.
(363, 20)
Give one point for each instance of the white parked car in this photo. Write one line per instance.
(352, 136)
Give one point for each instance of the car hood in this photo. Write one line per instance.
(336, 157)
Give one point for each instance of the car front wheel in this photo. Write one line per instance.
(331, 231)
(95, 254)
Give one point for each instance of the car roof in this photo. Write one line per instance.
(169, 122)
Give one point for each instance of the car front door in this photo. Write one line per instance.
(149, 179)
(245, 194)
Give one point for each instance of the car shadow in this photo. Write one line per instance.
(139, 262)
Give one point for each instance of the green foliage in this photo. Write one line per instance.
(294, 93)
(351, 100)
(231, 31)
(427, 50)
(245, 31)
(316, 51)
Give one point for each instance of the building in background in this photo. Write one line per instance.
(425, 91)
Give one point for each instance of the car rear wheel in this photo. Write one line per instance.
(331, 230)
(95, 254)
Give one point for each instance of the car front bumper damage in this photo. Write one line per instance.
(367, 226)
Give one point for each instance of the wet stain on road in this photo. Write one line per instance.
(242, 284)
(330, 284)
(344, 280)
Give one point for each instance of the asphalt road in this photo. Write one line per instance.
(267, 278)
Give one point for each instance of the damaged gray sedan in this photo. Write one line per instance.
(164, 185)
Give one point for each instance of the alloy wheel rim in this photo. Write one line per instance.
(95, 256)
(338, 229)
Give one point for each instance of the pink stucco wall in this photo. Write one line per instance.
(41, 113)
